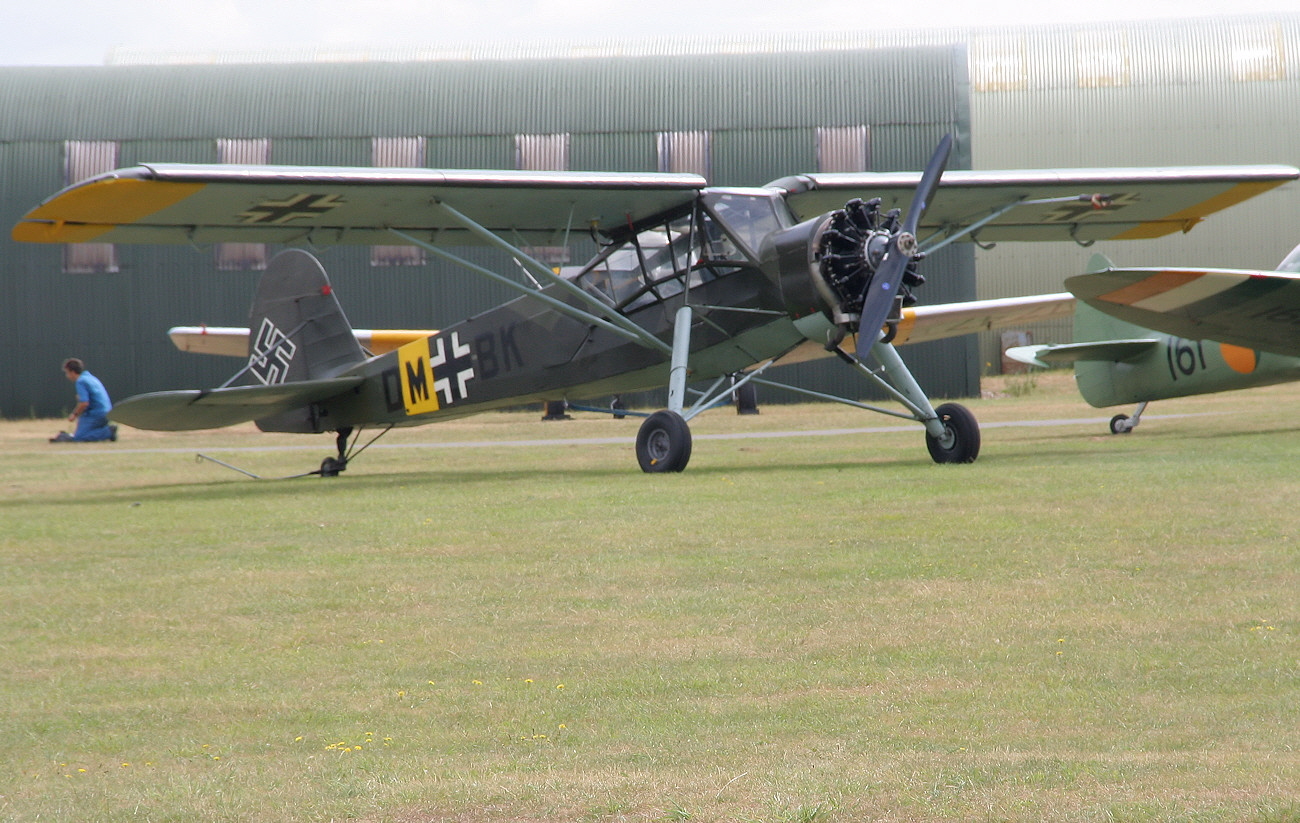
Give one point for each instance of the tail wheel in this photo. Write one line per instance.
(1120, 424)
(330, 467)
(663, 443)
(961, 438)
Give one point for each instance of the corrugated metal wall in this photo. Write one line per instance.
(1196, 92)
(763, 111)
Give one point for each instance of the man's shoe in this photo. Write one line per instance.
(112, 433)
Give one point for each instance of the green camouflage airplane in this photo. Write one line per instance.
(689, 280)
(1147, 334)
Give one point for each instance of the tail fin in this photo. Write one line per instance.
(1099, 262)
(298, 329)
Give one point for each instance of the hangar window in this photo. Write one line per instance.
(248, 152)
(843, 148)
(1101, 58)
(688, 152)
(999, 63)
(543, 152)
(405, 153)
(1258, 53)
(82, 159)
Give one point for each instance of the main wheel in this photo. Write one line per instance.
(663, 443)
(961, 436)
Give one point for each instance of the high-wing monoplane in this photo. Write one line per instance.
(689, 284)
(1145, 334)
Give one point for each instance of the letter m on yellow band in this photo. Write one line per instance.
(418, 394)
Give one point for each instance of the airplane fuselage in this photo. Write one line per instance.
(1177, 367)
(747, 308)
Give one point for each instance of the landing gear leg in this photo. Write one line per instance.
(1123, 424)
(952, 434)
(332, 466)
(663, 443)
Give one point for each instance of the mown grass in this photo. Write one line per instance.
(1076, 627)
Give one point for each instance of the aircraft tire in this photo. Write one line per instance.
(1119, 424)
(663, 443)
(963, 438)
(330, 467)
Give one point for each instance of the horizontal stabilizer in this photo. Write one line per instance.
(1110, 351)
(924, 323)
(232, 341)
(211, 409)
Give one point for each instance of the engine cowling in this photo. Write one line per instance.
(837, 254)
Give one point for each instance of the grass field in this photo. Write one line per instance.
(1078, 627)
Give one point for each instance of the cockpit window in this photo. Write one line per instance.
(661, 262)
(651, 266)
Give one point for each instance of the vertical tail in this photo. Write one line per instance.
(298, 332)
(297, 328)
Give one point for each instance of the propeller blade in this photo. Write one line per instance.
(888, 278)
(880, 298)
(929, 182)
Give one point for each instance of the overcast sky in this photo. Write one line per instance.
(84, 32)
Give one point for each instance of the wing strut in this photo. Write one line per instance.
(607, 320)
(630, 329)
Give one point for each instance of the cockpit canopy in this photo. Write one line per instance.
(720, 235)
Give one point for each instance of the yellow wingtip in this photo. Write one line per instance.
(55, 231)
(81, 214)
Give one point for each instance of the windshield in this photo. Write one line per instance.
(747, 217)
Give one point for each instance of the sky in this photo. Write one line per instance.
(85, 32)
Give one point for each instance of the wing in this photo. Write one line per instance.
(173, 203)
(189, 410)
(925, 323)
(1255, 309)
(954, 319)
(233, 341)
(1066, 204)
(1111, 351)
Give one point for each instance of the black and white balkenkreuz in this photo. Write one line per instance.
(452, 370)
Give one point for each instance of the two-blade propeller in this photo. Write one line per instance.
(888, 278)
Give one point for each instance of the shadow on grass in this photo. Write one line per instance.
(235, 489)
(1061, 447)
